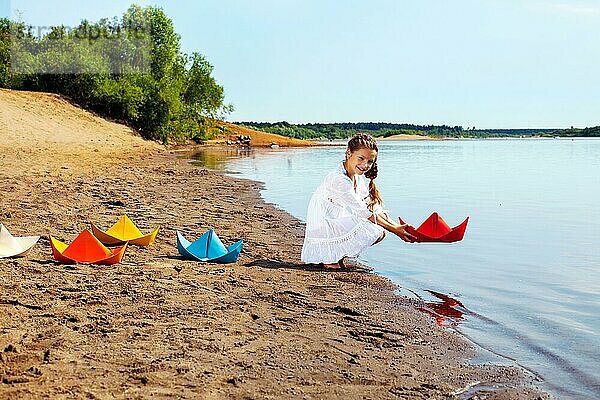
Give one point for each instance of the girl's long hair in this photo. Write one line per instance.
(364, 141)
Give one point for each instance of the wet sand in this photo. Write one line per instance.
(157, 325)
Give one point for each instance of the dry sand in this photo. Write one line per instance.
(159, 326)
(259, 138)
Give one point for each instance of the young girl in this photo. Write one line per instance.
(345, 214)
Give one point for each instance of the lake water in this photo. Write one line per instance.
(524, 284)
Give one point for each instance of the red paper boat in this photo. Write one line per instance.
(435, 229)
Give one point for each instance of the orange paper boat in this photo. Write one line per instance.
(435, 229)
(86, 249)
(124, 230)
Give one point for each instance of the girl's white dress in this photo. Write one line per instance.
(336, 221)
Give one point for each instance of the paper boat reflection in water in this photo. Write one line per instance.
(435, 229)
(86, 249)
(13, 246)
(209, 247)
(448, 312)
(124, 230)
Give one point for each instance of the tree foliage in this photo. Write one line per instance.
(130, 69)
(577, 132)
(345, 130)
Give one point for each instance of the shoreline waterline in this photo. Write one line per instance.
(158, 324)
(518, 321)
(220, 160)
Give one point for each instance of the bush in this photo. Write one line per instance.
(148, 84)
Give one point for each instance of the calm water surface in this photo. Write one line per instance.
(525, 282)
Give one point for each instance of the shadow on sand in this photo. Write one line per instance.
(278, 264)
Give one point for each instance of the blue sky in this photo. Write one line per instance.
(483, 63)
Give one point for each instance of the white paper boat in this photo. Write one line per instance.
(11, 246)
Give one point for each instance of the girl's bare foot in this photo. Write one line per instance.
(337, 265)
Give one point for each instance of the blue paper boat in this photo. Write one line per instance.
(209, 247)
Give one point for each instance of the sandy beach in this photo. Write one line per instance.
(156, 325)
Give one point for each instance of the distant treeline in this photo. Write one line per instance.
(333, 131)
(509, 132)
(130, 69)
(575, 132)
(347, 129)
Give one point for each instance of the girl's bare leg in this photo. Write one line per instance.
(379, 239)
(385, 217)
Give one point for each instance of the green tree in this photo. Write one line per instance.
(4, 53)
(131, 69)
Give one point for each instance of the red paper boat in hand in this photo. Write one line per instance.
(435, 229)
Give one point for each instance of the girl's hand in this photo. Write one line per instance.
(403, 234)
